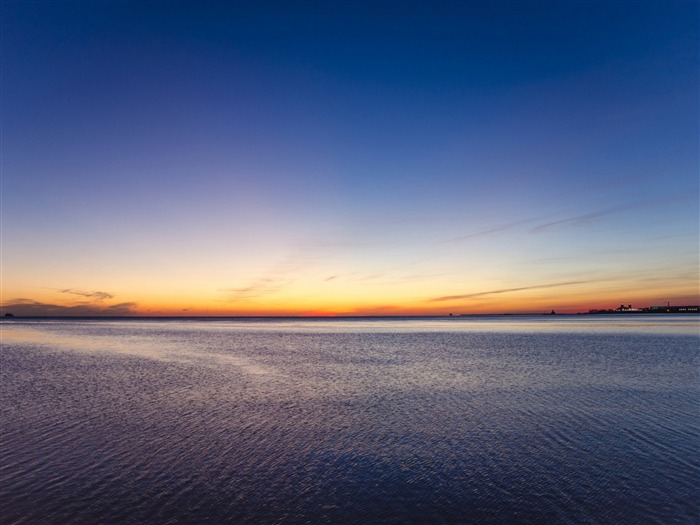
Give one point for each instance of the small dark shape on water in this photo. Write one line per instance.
(8, 314)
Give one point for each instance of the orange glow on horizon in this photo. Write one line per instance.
(333, 299)
(497, 308)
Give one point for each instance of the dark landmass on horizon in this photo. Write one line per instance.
(622, 310)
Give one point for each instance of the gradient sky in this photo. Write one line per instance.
(273, 158)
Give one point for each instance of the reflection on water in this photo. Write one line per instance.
(484, 420)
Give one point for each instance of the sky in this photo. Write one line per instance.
(348, 158)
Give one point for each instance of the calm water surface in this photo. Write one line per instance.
(592, 419)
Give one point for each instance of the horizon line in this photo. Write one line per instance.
(415, 316)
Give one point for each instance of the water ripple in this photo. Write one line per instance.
(149, 422)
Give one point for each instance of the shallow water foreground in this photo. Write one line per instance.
(506, 420)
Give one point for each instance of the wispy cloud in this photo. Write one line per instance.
(488, 231)
(505, 290)
(28, 307)
(99, 296)
(258, 288)
(584, 218)
(124, 308)
(386, 279)
(278, 276)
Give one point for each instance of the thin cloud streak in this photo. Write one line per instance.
(274, 280)
(587, 217)
(489, 231)
(257, 289)
(100, 296)
(584, 218)
(505, 290)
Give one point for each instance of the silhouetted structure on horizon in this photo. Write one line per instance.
(668, 309)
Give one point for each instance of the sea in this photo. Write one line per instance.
(590, 419)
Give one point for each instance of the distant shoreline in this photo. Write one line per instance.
(695, 312)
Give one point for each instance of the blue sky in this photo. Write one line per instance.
(348, 157)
